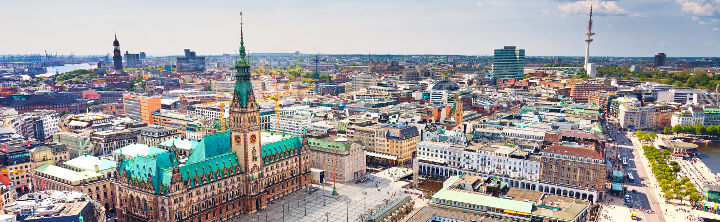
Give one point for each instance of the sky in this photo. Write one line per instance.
(679, 28)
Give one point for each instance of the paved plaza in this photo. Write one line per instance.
(352, 201)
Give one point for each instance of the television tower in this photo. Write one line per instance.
(588, 40)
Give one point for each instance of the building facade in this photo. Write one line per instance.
(140, 108)
(341, 159)
(575, 167)
(154, 135)
(508, 63)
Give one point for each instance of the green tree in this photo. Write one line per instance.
(652, 136)
(695, 197)
(667, 130)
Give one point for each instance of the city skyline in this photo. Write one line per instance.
(680, 28)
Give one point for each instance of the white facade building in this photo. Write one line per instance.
(486, 159)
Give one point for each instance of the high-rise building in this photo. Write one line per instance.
(191, 62)
(117, 58)
(132, 60)
(508, 63)
(140, 108)
(659, 60)
(228, 173)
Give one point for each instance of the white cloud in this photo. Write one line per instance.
(601, 8)
(493, 3)
(700, 7)
(705, 12)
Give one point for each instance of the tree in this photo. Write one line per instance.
(667, 130)
(652, 136)
(700, 129)
(695, 197)
(676, 129)
(669, 195)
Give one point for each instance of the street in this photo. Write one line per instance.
(644, 198)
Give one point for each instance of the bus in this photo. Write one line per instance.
(631, 178)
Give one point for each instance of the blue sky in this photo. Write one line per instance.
(468, 27)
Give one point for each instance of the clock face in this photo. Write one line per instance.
(238, 139)
(252, 138)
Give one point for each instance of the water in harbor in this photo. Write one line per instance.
(710, 155)
(52, 70)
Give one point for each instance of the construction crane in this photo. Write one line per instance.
(222, 107)
(276, 98)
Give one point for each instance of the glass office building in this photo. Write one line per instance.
(508, 63)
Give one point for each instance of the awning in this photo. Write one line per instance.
(380, 155)
(78, 123)
(5, 180)
(431, 159)
(617, 187)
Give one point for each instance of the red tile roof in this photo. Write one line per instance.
(574, 151)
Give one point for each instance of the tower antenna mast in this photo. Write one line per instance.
(589, 39)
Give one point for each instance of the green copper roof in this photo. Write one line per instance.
(343, 145)
(283, 148)
(211, 168)
(210, 146)
(243, 88)
(184, 144)
(158, 167)
(484, 200)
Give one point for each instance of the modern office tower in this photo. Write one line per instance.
(117, 58)
(508, 63)
(132, 60)
(140, 108)
(659, 60)
(191, 62)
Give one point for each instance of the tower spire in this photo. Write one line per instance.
(242, 41)
(243, 96)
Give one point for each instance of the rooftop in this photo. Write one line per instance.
(179, 143)
(67, 174)
(136, 149)
(88, 162)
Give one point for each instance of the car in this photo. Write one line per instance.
(634, 191)
(313, 190)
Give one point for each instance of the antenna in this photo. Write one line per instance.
(589, 39)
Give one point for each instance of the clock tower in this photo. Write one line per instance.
(245, 122)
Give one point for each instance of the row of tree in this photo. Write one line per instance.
(712, 130)
(665, 173)
(685, 78)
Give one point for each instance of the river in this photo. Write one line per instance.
(52, 70)
(710, 155)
